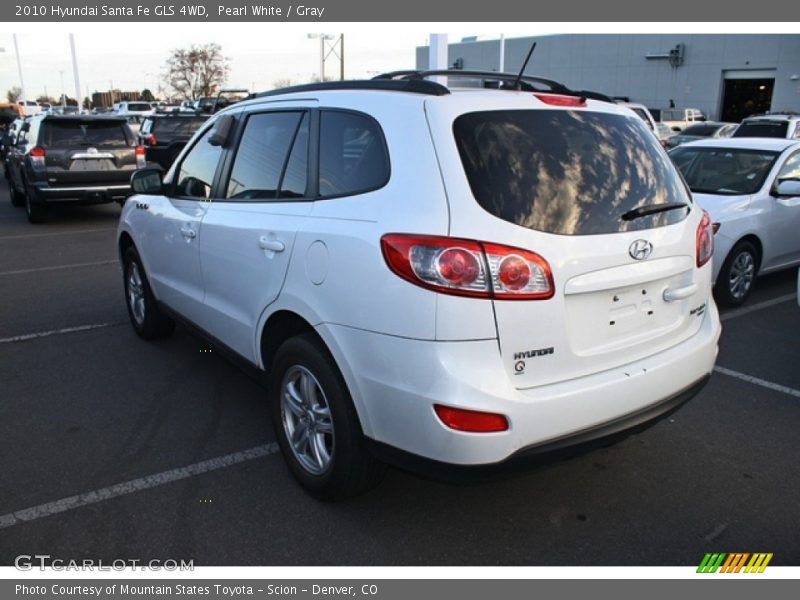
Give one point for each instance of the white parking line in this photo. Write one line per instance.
(37, 235)
(72, 266)
(136, 485)
(757, 381)
(41, 334)
(758, 306)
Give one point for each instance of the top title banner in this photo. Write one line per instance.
(372, 11)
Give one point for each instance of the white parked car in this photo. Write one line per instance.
(751, 189)
(127, 107)
(440, 278)
(770, 125)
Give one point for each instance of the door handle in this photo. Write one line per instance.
(266, 243)
(681, 293)
(188, 232)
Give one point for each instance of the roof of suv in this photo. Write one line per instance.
(769, 144)
(773, 117)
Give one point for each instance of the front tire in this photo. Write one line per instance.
(148, 321)
(316, 423)
(737, 275)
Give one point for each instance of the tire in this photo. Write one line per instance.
(35, 210)
(310, 401)
(737, 275)
(17, 199)
(147, 319)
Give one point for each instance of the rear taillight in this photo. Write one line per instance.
(141, 161)
(37, 155)
(705, 240)
(150, 140)
(470, 420)
(468, 268)
(559, 100)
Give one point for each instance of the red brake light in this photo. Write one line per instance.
(37, 152)
(560, 100)
(468, 268)
(704, 240)
(150, 140)
(458, 266)
(139, 150)
(470, 420)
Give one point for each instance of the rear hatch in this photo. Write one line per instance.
(570, 185)
(87, 151)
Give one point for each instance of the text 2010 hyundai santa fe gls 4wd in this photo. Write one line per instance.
(433, 277)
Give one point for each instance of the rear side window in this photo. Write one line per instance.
(84, 133)
(773, 129)
(567, 172)
(352, 154)
(263, 157)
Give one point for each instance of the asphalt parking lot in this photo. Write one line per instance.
(114, 448)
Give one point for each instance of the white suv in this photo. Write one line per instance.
(436, 278)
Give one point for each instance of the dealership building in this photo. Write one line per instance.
(726, 76)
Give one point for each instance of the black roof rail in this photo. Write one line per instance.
(429, 88)
(512, 81)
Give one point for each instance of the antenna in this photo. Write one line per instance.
(516, 85)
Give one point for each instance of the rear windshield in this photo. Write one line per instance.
(702, 130)
(642, 115)
(177, 125)
(567, 172)
(773, 129)
(84, 133)
(139, 106)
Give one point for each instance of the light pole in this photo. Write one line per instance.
(19, 69)
(332, 50)
(78, 98)
(63, 93)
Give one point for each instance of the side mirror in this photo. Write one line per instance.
(147, 181)
(26, 126)
(222, 129)
(788, 187)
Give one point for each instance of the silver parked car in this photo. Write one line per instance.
(751, 189)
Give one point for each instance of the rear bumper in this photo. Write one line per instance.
(85, 194)
(395, 382)
(567, 447)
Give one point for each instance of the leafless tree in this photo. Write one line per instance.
(196, 71)
(14, 94)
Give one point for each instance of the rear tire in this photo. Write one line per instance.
(35, 210)
(737, 275)
(316, 423)
(17, 199)
(147, 319)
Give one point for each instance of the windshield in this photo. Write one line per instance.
(725, 171)
(762, 128)
(567, 172)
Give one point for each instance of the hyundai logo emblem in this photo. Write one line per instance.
(640, 249)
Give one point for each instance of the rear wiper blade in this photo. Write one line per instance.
(651, 209)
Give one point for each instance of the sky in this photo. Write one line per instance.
(260, 53)
(131, 56)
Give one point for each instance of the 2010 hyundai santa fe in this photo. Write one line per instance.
(442, 278)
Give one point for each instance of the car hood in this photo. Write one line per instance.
(721, 207)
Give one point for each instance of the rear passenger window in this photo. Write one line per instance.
(352, 154)
(263, 157)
